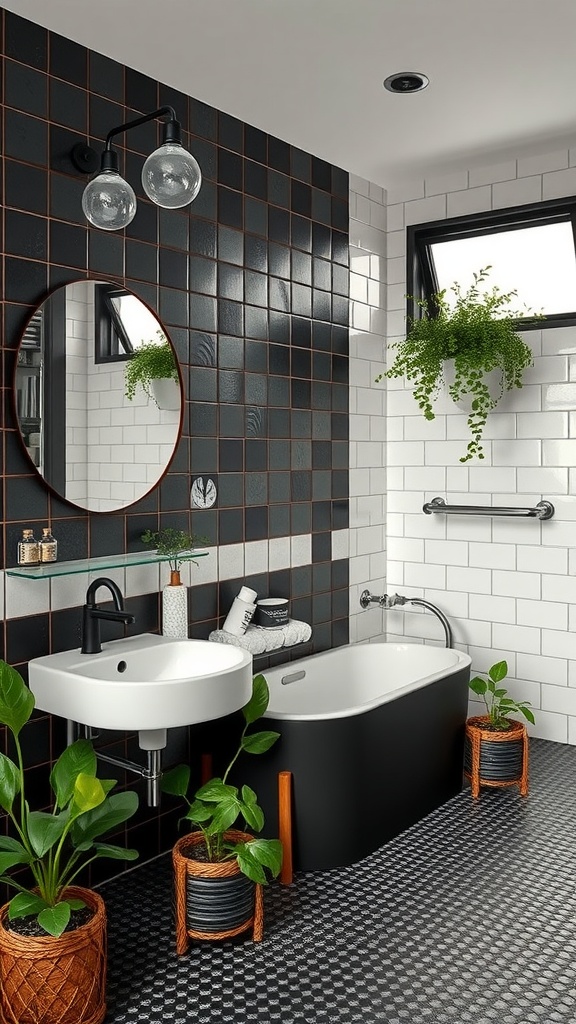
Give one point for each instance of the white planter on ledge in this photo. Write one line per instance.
(166, 392)
(493, 381)
(175, 608)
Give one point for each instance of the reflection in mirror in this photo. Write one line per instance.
(92, 444)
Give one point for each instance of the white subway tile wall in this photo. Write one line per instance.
(369, 281)
(508, 586)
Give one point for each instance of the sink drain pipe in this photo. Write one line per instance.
(152, 771)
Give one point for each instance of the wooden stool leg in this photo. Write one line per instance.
(524, 779)
(285, 824)
(258, 929)
(205, 768)
(475, 773)
(180, 907)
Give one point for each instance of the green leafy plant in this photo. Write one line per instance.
(498, 704)
(479, 333)
(150, 361)
(217, 805)
(173, 543)
(54, 846)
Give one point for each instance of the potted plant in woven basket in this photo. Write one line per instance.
(219, 870)
(461, 346)
(53, 932)
(496, 746)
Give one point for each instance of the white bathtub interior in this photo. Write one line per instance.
(352, 679)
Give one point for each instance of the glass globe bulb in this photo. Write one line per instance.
(171, 176)
(109, 202)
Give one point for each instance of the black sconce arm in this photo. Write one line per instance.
(173, 131)
(86, 159)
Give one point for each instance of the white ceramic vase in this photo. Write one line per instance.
(166, 392)
(175, 608)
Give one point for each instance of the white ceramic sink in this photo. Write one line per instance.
(144, 682)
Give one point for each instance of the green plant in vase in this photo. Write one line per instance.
(54, 846)
(479, 332)
(172, 543)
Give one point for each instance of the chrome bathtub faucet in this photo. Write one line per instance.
(395, 600)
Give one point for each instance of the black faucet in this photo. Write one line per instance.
(91, 614)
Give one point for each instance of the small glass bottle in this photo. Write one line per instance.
(28, 549)
(48, 546)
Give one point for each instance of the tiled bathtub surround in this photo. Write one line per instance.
(508, 586)
(251, 283)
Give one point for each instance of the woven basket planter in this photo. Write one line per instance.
(213, 900)
(494, 758)
(47, 980)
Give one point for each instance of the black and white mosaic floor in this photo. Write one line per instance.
(469, 917)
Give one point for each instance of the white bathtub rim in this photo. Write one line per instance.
(463, 660)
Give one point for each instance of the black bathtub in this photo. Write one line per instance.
(373, 735)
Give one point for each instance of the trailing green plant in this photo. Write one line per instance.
(173, 543)
(216, 806)
(479, 332)
(55, 846)
(151, 361)
(498, 704)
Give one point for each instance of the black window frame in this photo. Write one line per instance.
(111, 341)
(421, 280)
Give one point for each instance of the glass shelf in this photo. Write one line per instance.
(94, 565)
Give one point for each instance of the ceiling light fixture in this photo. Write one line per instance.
(406, 81)
(171, 176)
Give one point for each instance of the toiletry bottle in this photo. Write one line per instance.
(241, 612)
(28, 553)
(48, 546)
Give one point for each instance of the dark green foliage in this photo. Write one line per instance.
(172, 543)
(152, 360)
(54, 846)
(498, 705)
(479, 333)
(216, 806)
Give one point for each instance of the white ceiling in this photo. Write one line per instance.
(502, 72)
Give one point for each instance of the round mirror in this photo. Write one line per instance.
(98, 395)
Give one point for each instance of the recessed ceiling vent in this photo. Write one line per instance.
(406, 81)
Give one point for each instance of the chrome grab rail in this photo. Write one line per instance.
(543, 510)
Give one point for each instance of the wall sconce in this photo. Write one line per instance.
(171, 177)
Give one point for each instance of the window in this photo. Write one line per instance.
(530, 249)
(122, 323)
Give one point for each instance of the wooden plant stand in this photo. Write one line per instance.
(476, 731)
(185, 866)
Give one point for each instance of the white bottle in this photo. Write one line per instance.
(241, 612)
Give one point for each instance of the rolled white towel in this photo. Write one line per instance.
(248, 642)
(259, 640)
(294, 632)
(297, 632)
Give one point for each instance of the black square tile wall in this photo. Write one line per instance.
(251, 283)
